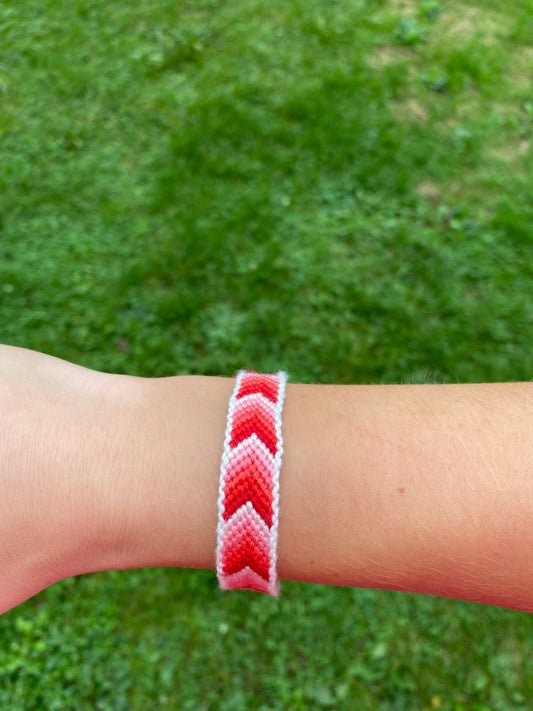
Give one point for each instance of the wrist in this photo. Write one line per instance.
(156, 473)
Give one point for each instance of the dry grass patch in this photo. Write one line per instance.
(429, 190)
(404, 6)
(511, 152)
(507, 115)
(467, 109)
(507, 110)
(521, 74)
(411, 109)
(387, 55)
(477, 188)
(464, 23)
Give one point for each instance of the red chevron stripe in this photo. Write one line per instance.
(244, 553)
(246, 481)
(254, 416)
(268, 385)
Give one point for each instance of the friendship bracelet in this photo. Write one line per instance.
(248, 500)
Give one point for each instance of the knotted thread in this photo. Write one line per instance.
(248, 500)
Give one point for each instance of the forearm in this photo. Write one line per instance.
(425, 488)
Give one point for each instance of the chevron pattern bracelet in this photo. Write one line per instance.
(248, 501)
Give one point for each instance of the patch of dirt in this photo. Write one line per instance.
(466, 109)
(403, 6)
(512, 151)
(466, 22)
(386, 55)
(411, 109)
(522, 71)
(428, 190)
(507, 110)
(473, 188)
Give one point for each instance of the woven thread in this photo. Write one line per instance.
(248, 499)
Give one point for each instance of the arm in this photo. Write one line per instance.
(425, 488)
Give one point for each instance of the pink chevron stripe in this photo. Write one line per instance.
(249, 477)
(246, 511)
(246, 542)
(248, 579)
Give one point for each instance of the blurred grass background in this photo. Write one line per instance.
(339, 188)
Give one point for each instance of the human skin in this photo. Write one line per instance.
(422, 488)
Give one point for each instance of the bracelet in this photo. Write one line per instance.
(248, 500)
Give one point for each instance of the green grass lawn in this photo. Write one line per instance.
(340, 189)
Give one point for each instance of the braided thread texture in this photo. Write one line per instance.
(248, 500)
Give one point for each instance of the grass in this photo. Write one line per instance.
(339, 189)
